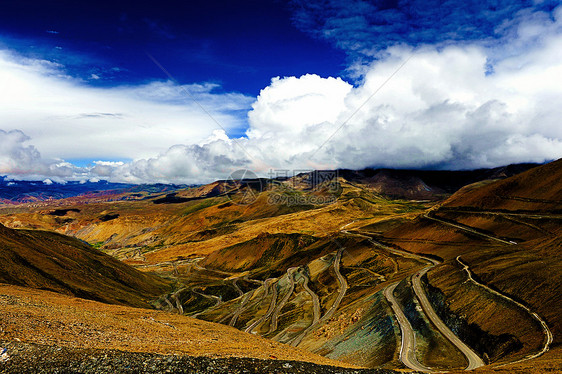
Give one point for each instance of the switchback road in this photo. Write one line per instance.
(275, 314)
(548, 334)
(315, 300)
(269, 310)
(467, 229)
(408, 344)
(342, 291)
(408, 338)
(474, 361)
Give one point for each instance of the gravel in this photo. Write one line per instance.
(35, 358)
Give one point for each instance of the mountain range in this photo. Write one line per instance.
(391, 270)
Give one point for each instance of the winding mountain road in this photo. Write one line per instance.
(217, 299)
(548, 334)
(179, 305)
(240, 308)
(474, 361)
(169, 303)
(506, 213)
(376, 244)
(408, 338)
(467, 229)
(314, 297)
(275, 314)
(408, 344)
(245, 298)
(236, 287)
(269, 310)
(342, 291)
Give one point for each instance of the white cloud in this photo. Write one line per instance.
(442, 109)
(70, 120)
(292, 104)
(25, 162)
(14, 155)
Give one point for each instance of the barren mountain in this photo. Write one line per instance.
(471, 282)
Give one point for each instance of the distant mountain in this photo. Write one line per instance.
(426, 184)
(395, 183)
(30, 191)
(332, 278)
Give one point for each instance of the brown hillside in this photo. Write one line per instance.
(323, 277)
(538, 189)
(51, 261)
(42, 317)
(509, 233)
(263, 250)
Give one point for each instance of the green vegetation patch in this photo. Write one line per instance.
(206, 203)
(97, 245)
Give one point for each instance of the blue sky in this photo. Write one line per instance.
(274, 85)
(365, 27)
(239, 45)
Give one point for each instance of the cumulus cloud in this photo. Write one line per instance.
(312, 98)
(444, 109)
(14, 155)
(456, 106)
(23, 161)
(185, 164)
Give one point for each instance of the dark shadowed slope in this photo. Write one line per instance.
(51, 261)
(426, 184)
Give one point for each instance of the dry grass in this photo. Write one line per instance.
(36, 316)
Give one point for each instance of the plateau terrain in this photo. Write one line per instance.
(372, 270)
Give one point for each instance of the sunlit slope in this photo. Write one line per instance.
(496, 285)
(538, 189)
(146, 232)
(42, 317)
(332, 278)
(300, 299)
(51, 261)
